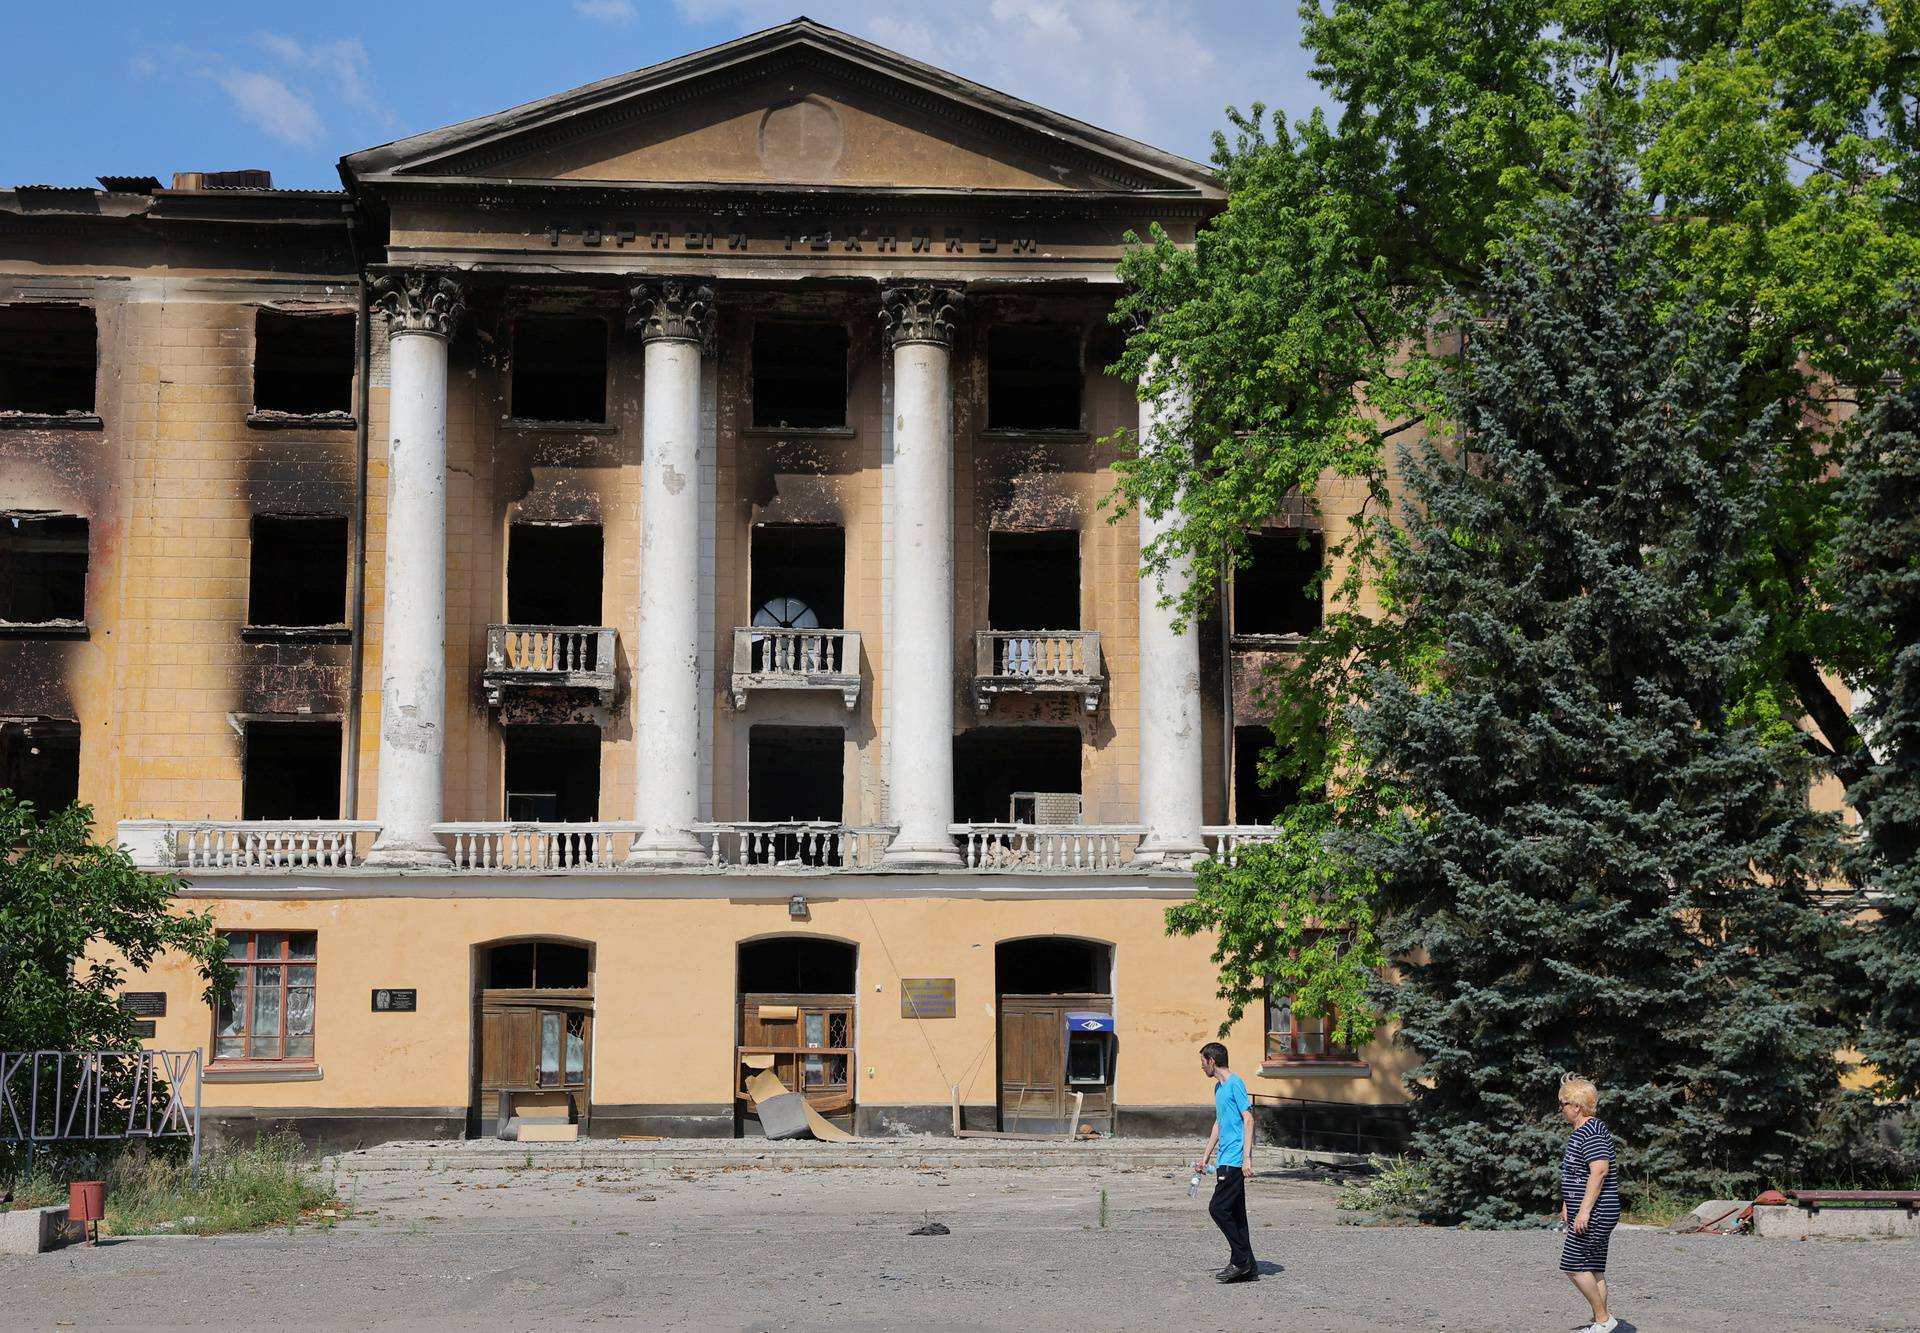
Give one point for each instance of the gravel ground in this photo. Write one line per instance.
(766, 1248)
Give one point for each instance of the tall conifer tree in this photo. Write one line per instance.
(1601, 868)
(1878, 577)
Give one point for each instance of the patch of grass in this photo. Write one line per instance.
(1396, 1191)
(1648, 1204)
(270, 1184)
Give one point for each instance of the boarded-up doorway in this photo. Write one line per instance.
(796, 1006)
(534, 1017)
(1039, 982)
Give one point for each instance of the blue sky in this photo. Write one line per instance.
(122, 88)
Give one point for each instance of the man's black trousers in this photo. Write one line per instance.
(1229, 1209)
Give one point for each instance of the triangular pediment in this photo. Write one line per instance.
(800, 105)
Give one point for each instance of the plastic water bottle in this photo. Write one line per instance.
(1193, 1186)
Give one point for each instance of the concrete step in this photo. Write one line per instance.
(917, 1153)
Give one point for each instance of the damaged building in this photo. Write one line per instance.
(616, 600)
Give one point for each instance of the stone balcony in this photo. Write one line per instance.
(1037, 662)
(768, 658)
(197, 848)
(562, 657)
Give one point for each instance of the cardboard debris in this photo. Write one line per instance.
(776, 1114)
(541, 1132)
(757, 1061)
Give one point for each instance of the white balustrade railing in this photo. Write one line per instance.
(283, 844)
(1047, 846)
(548, 848)
(577, 656)
(1225, 840)
(770, 658)
(1039, 655)
(821, 844)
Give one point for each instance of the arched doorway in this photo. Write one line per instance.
(796, 1015)
(533, 1016)
(1041, 983)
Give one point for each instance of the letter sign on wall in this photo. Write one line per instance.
(926, 997)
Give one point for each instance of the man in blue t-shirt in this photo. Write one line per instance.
(1233, 1136)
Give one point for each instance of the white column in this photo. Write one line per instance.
(919, 652)
(674, 318)
(1172, 766)
(423, 309)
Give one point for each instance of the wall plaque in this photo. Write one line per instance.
(926, 997)
(145, 1003)
(391, 1001)
(144, 1028)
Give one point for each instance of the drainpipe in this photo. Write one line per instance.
(1227, 813)
(357, 612)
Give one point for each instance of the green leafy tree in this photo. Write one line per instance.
(1599, 866)
(1878, 574)
(1292, 340)
(63, 895)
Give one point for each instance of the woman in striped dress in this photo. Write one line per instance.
(1589, 1197)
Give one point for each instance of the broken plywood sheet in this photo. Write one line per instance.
(537, 1132)
(769, 1101)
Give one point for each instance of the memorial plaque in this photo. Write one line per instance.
(145, 1003)
(926, 997)
(144, 1028)
(391, 1001)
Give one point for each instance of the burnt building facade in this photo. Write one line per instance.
(629, 576)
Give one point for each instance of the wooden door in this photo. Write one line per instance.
(1035, 1097)
(534, 1043)
(811, 1040)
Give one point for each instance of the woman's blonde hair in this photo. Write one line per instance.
(1581, 1092)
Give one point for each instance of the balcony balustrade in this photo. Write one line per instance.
(575, 657)
(750, 847)
(1037, 662)
(1047, 847)
(770, 658)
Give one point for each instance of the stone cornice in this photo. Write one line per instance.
(920, 312)
(420, 300)
(671, 308)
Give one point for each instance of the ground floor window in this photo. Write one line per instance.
(1292, 1035)
(269, 1016)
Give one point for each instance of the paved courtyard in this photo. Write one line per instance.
(469, 1243)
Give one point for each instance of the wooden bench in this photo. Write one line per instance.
(1814, 1200)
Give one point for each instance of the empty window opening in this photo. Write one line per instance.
(298, 573)
(552, 774)
(794, 774)
(1033, 580)
(291, 770)
(798, 575)
(991, 765)
(47, 359)
(560, 369)
(1033, 378)
(800, 375)
(1054, 965)
(537, 965)
(40, 762)
(796, 965)
(43, 570)
(1253, 803)
(554, 573)
(1278, 590)
(302, 364)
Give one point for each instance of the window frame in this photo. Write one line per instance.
(1325, 1027)
(242, 1000)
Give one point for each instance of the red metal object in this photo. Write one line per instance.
(87, 1205)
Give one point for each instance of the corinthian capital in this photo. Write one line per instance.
(677, 309)
(920, 312)
(420, 300)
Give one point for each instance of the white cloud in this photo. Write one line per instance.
(605, 11)
(1158, 70)
(343, 63)
(269, 104)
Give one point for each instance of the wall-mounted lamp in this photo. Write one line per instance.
(797, 907)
